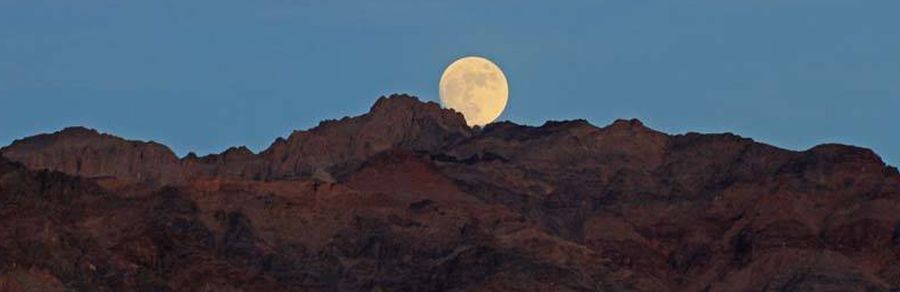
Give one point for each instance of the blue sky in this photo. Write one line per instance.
(205, 75)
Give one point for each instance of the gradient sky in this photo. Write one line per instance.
(205, 75)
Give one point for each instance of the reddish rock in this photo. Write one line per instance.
(407, 197)
(398, 121)
(88, 153)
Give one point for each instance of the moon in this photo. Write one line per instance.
(475, 87)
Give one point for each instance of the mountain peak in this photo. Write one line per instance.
(630, 124)
(397, 121)
(399, 100)
(78, 131)
(89, 153)
(404, 105)
(567, 124)
(838, 154)
(239, 151)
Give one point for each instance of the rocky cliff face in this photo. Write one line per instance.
(338, 147)
(407, 197)
(334, 147)
(85, 152)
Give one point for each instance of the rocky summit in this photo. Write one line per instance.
(407, 197)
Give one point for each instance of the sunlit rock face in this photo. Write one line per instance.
(87, 153)
(407, 197)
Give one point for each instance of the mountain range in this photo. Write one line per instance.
(407, 197)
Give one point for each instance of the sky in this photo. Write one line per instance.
(206, 75)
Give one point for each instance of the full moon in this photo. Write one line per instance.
(475, 87)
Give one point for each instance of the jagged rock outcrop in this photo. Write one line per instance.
(407, 197)
(88, 153)
(395, 122)
(333, 147)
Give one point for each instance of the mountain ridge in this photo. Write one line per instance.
(408, 197)
(383, 106)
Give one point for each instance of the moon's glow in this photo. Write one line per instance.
(475, 87)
